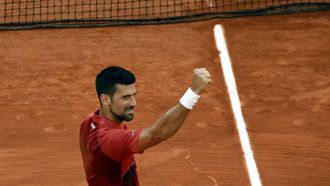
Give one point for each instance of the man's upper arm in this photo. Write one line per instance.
(149, 138)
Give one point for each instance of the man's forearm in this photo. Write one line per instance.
(165, 127)
(168, 124)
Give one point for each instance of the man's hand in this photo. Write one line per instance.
(201, 78)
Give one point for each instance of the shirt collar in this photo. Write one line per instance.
(106, 121)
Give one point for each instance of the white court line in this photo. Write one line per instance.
(236, 106)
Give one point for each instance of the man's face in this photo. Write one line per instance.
(123, 102)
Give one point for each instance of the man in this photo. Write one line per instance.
(107, 146)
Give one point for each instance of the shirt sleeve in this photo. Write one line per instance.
(119, 143)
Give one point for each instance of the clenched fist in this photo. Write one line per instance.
(201, 78)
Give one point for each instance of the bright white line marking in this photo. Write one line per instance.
(236, 106)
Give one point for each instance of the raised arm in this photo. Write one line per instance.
(168, 124)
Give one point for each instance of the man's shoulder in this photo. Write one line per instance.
(89, 117)
(87, 120)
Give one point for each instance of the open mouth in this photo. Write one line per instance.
(131, 111)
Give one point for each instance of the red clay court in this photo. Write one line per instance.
(282, 71)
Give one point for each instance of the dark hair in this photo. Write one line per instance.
(107, 79)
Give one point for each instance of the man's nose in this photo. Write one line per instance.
(133, 102)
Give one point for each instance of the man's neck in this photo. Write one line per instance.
(109, 115)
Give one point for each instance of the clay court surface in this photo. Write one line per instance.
(281, 65)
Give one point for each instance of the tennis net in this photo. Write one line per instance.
(24, 14)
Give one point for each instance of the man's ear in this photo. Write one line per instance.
(105, 99)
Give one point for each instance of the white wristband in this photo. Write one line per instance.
(189, 99)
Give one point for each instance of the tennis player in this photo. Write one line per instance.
(107, 146)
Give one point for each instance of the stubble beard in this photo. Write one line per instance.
(123, 117)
